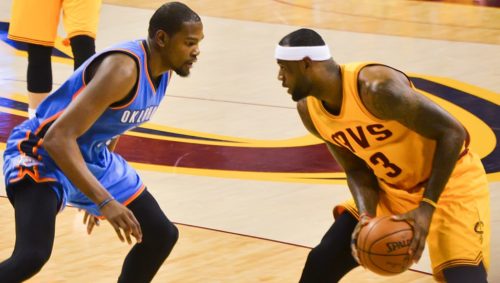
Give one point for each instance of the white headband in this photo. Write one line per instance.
(297, 53)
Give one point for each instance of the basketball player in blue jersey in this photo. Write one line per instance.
(61, 157)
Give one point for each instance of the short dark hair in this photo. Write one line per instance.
(302, 37)
(170, 17)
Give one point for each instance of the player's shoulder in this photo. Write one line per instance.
(380, 72)
(121, 64)
(373, 74)
(378, 78)
(384, 91)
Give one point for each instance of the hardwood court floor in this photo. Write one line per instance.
(392, 17)
(201, 255)
(226, 216)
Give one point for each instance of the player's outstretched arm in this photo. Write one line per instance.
(113, 79)
(387, 94)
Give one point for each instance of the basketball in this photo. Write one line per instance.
(383, 245)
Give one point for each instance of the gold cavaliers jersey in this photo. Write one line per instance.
(397, 155)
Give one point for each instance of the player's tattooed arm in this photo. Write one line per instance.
(388, 95)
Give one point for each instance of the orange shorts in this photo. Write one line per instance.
(460, 230)
(36, 21)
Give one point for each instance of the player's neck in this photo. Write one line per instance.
(155, 64)
(329, 89)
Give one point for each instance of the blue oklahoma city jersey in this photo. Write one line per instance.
(25, 155)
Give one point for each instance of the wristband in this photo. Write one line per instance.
(431, 202)
(104, 202)
(365, 214)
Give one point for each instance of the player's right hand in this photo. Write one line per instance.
(90, 220)
(420, 219)
(363, 221)
(122, 219)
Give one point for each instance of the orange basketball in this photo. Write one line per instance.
(383, 245)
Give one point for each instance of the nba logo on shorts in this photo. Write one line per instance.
(27, 161)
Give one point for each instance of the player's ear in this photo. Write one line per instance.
(307, 62)
(161, 38)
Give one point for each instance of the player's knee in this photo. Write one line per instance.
(163, 237)
(316, 256)
(321, 252)
(314, 267)
(325, 255)
(170, 235)
(39, 68)
(39, 55)
(83, 47)
(33, 260)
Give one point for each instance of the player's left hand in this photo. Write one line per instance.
(364, 219)
(420, 219)
(91, 221)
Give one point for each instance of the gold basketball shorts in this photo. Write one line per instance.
(36, 21)
(460, 229)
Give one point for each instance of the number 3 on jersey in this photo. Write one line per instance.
(379, 157)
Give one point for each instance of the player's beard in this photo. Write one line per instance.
(301, 90)
(298, 95)
(182, 71)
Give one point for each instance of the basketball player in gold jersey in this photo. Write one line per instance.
(403, 155)
(35, 23)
